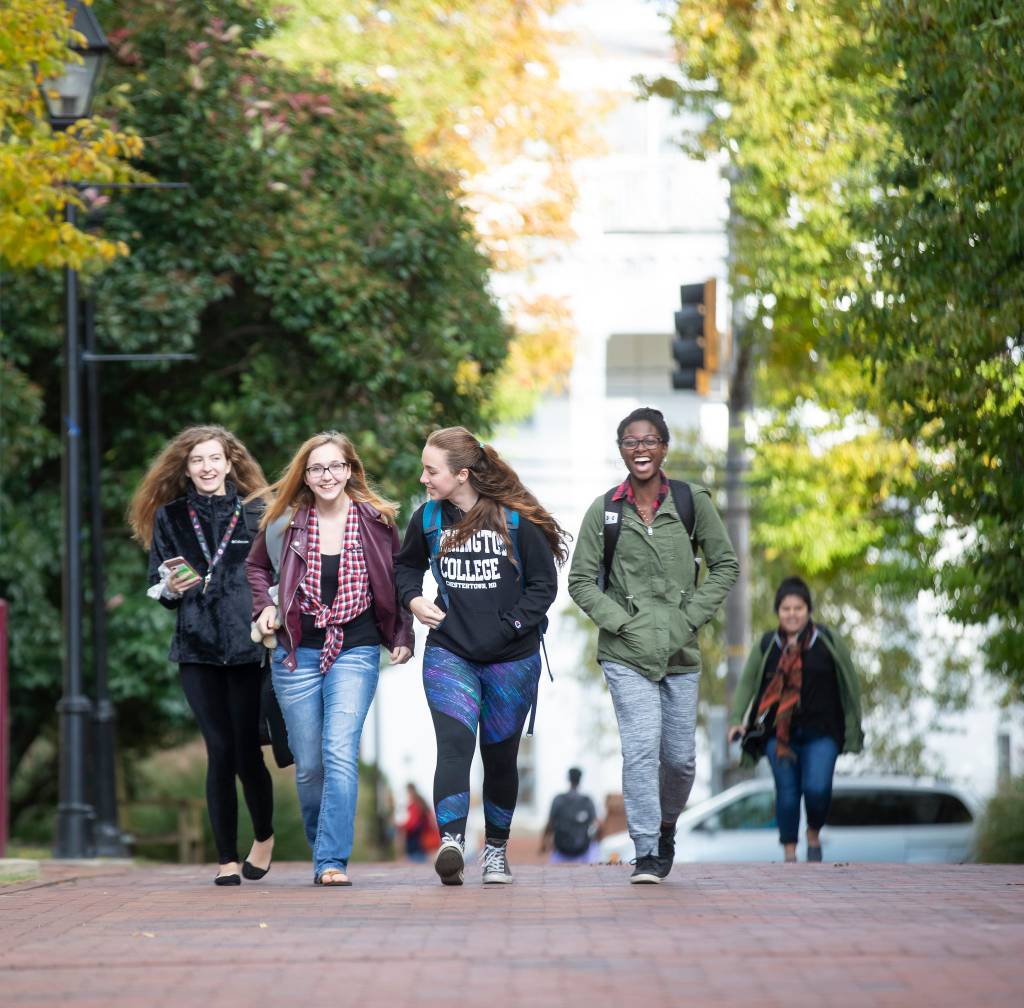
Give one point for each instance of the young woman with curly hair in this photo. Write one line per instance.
(327, 542)
(482, 661)
(189, 506)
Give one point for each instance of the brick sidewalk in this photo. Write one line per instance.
(571, 937)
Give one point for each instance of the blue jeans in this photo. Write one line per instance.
(324, 715)
(809, 774)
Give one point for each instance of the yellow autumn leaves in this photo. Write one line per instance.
(39, 167)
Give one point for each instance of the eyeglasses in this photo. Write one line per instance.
(629, 443)
(336, 469)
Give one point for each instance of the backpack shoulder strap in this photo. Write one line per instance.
(611, 529)
(432, 533)
(432, 525)
(682, 495)
(275, 540)
(512, 524)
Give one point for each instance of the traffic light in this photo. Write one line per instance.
(695, 344)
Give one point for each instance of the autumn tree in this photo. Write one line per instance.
(476, 85)
(38, 164)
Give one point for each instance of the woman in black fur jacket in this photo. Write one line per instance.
(188, 509)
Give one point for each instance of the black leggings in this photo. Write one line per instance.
(226, 702)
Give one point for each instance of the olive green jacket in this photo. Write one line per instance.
(749, 686)
(649, 617)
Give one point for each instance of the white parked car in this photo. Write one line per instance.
(872, 819)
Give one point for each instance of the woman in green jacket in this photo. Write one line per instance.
(798, 701)
(648, 607)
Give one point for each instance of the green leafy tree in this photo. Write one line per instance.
(784, 96)
(942, 299)
(322, 276)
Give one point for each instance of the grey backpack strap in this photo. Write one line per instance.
(275, 541)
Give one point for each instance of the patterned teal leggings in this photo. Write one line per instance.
(462, 695)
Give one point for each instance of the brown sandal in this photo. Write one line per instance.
(333, 877)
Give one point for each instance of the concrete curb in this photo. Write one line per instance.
(18, 870)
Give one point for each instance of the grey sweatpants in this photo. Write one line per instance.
(657, 725)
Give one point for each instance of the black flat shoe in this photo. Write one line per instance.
(252, 873)
(232, 879)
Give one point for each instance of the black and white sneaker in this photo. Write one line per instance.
(494, 861)
(451, 859)
(666, 851)
(647, 870)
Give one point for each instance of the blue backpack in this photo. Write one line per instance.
(432, 533)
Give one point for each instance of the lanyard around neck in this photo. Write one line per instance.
(211, 561)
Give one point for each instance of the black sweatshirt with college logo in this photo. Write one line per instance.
(494, 612)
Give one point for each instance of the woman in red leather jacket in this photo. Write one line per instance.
(326, 543)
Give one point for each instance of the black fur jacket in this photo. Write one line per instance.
(213, 627)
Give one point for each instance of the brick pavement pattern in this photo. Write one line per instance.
(566, 936)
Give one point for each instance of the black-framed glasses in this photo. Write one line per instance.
(336, 469)
(629, 443)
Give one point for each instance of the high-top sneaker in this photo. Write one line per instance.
(647, 870)
(451, 859)
(494, 861)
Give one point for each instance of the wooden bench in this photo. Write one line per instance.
(187, 836)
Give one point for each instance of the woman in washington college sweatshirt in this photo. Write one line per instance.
(492, 548)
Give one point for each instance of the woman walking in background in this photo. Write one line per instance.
(188, 512)
(492, 548)
(327, 541)
(798, 701)
(633, 573)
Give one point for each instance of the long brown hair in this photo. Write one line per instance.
(290, 490)
(167, 476)
(499, 487)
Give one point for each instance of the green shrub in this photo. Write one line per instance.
(181, 773)
(1001, 832)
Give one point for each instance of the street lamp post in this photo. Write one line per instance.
(107, 837)
(69, 98)
(74, 814)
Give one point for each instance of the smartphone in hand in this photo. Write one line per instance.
(182, 569)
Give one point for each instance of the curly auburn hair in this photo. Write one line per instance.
(291, 491)
(499, 487)
(167, 476)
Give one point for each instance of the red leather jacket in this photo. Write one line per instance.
(380, 544)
